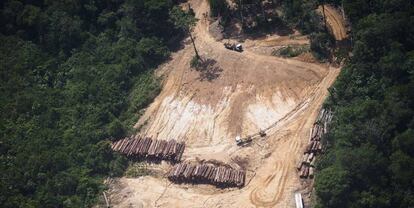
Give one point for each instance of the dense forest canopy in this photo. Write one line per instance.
(73, 74)
(370, 158)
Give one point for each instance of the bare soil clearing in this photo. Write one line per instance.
(239, 94)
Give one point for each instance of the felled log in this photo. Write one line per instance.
(311, 171)
(160, 148)
(321, 114)
(310, 158)
(309, 147)
(305, 172)
(147, 148)
(305, 158)
(127, 145)
(134, 147)
(139, 146)
(179, 151)
(320, 133)
(299, 165)
(147, 145)
(314, 131)
(312, 164)
(222, 176)
(124, 144)
(319, 149)
(314, 147)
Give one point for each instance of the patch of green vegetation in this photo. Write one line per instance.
(291, 51)
(218, 8)
(369, 162)
(322, 44)
(195, 62)
(72, 75)
(137, 169)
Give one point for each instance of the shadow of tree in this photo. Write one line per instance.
(276, 26)
(208, 69)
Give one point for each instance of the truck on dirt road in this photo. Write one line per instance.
(243, 141)
(234, 47)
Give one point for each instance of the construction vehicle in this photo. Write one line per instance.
(234, 47)
(243, 141)
(262, 133)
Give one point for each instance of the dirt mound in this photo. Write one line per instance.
(250, 92)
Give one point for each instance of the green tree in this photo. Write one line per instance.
(218, 7)
(186, 21)
(332, 186)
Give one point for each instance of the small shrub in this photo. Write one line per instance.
(116, 129)
(195, 62)
(136, 170)
(321, 45)
(290, 51)
(218, 7)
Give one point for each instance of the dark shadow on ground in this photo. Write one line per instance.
(208, 69)
(275, 26)
(177, 42)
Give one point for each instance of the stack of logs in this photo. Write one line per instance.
(149, 148)
(319, 129)
(220, 176)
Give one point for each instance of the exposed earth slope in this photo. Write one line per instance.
(239, 94)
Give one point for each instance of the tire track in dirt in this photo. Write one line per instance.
(295, 142)
(260, 195)
(274, 176)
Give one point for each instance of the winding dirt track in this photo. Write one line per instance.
(335, 22)
(247, 92)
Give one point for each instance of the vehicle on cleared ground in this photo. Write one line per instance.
(243, 141)
(234, 47)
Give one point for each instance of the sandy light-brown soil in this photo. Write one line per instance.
(239, 94)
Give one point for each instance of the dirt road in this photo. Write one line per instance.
(335, 22)
(239, 94)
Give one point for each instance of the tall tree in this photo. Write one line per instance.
(186, 21)
(218, 7)
(322, 3)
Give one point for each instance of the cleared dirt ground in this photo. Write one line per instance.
(239, 94)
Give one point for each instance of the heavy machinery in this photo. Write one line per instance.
(243, 141)
(246, 140)
(234, 47)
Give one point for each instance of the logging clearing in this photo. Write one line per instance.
(277, 100)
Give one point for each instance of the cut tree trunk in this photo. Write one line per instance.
(195, 49)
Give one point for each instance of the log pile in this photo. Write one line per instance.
(319, 129)
(149, 148)
(220, 176)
